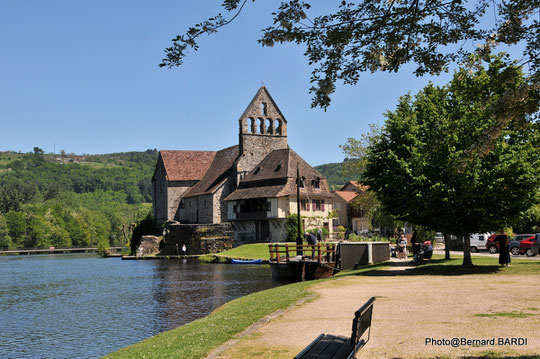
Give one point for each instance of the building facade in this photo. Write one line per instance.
(251, 185)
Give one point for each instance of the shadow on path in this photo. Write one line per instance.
(433, 267)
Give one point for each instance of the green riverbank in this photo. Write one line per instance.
(197, 339)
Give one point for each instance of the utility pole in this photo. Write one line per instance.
(299, 252)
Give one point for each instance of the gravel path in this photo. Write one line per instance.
(408, 310)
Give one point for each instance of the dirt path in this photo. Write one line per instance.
(407, 311)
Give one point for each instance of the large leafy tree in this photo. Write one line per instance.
(383, 35)
(428, 168)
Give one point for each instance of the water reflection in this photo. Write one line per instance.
(83, 306)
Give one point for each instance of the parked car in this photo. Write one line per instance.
(535, 248)
(513, 246)
(525, 246)
(478, 241)
(491, 245)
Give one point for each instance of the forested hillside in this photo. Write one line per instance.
(90, 200)
(336, 174)
(68, 200)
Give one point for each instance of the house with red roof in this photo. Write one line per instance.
(251, 186)
(349, 215)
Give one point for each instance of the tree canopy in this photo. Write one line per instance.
(383, 35)
(422, 168)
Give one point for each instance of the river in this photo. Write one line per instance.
(84, 306)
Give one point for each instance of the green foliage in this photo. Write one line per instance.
(71, 204)
(336, 175)
(292, 228)
(434, 165)
(382, 35)
(146, 226)
(5, 239)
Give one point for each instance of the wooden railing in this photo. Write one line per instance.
(322, 252)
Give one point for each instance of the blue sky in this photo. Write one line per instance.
(83, 76)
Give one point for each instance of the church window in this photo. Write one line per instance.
(277, 127)
(264, 109)
(269, 126)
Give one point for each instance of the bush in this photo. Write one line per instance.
(292, 227)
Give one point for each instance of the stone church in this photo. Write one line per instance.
(251, 185)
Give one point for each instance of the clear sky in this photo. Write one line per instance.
(83, 76)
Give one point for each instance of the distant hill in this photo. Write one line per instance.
(334, 174)
(67, 200)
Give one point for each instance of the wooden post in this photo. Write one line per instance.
(271, 253)
(287, 252)
(319, 253)
(277, 252)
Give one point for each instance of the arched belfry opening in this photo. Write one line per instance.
(263, 117)
(263, 129)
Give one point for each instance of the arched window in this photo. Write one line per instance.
(269, 126)
(277, 130)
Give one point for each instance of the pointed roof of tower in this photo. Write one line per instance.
(262, 96)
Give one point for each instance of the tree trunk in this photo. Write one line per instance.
(447, 247)
(467, 261)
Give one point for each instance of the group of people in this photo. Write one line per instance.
(420, 250)
(312, 239)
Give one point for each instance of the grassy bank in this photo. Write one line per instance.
(248, 251)
(196, 339)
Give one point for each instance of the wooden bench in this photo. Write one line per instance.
(327, 346)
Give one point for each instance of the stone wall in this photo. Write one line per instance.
(198, 238)
(149, 245)
(175, 192)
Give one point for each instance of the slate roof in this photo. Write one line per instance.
(217, 173)
(275, 176)
(186, 165)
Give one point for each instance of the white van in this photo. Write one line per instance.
(478, 241)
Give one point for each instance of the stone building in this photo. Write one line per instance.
(250, 185)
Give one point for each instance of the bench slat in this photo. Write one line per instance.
(338, 347)
(339, 344)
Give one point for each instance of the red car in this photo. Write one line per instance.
(491, 244)
(525, 246)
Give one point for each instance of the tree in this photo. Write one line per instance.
(383, 35)
(5, 239)
(428, 168)
(38, 151)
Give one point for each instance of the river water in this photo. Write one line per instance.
(84, 306)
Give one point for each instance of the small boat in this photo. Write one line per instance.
(314, 262)
(246, 261)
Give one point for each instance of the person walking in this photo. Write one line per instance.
(184, 250)
(504, 252)
(402, 247)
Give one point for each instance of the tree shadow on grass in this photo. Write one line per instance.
(433, 267)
